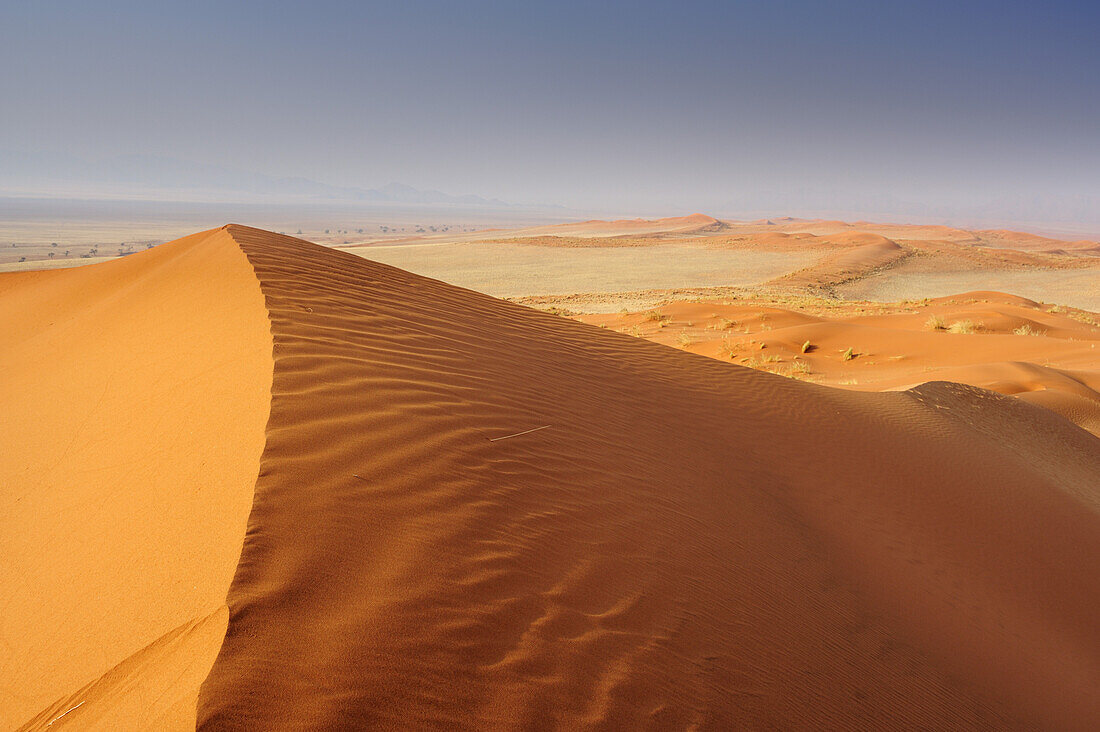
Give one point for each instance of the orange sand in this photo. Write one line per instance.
(1044, 355)
(135, 395)
(673, 542)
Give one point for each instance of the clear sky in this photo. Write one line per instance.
(639, 106)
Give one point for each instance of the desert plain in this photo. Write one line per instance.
(650, 473)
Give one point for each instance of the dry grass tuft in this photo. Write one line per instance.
(1083, 317)
(935, 322)
(799, 367)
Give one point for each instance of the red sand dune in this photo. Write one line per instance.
(470, 514)
(868, 252)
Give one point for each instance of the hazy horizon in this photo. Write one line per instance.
(975, 113)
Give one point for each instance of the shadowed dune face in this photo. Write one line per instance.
(681, 542)
(134, 399)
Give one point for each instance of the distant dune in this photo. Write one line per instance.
(703, 224)
(866, 253)
(1005, 343)
(467, 514)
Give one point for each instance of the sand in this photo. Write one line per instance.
(592, 265)
(135, 395)
(471, 514)
(512, 269)
(1047, 355)
(1079, 288)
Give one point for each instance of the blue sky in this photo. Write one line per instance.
(639, 106)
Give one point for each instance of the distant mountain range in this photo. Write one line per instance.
(151, 175)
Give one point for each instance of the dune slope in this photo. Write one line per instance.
(469, 514)
(133, 402)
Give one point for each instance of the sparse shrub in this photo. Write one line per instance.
(806, 347)
(1083, 317)
(799, 366)
(1026, 330)
(935, 322)
(962, 326)
(655, 316)
(849, 354)
(685, 339)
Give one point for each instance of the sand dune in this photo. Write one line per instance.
(868, 253)
(1006, 343)
(470, 514)
(134, 398)
(1031, 242)
(695, 223)
(703, 224)
(597, 266)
